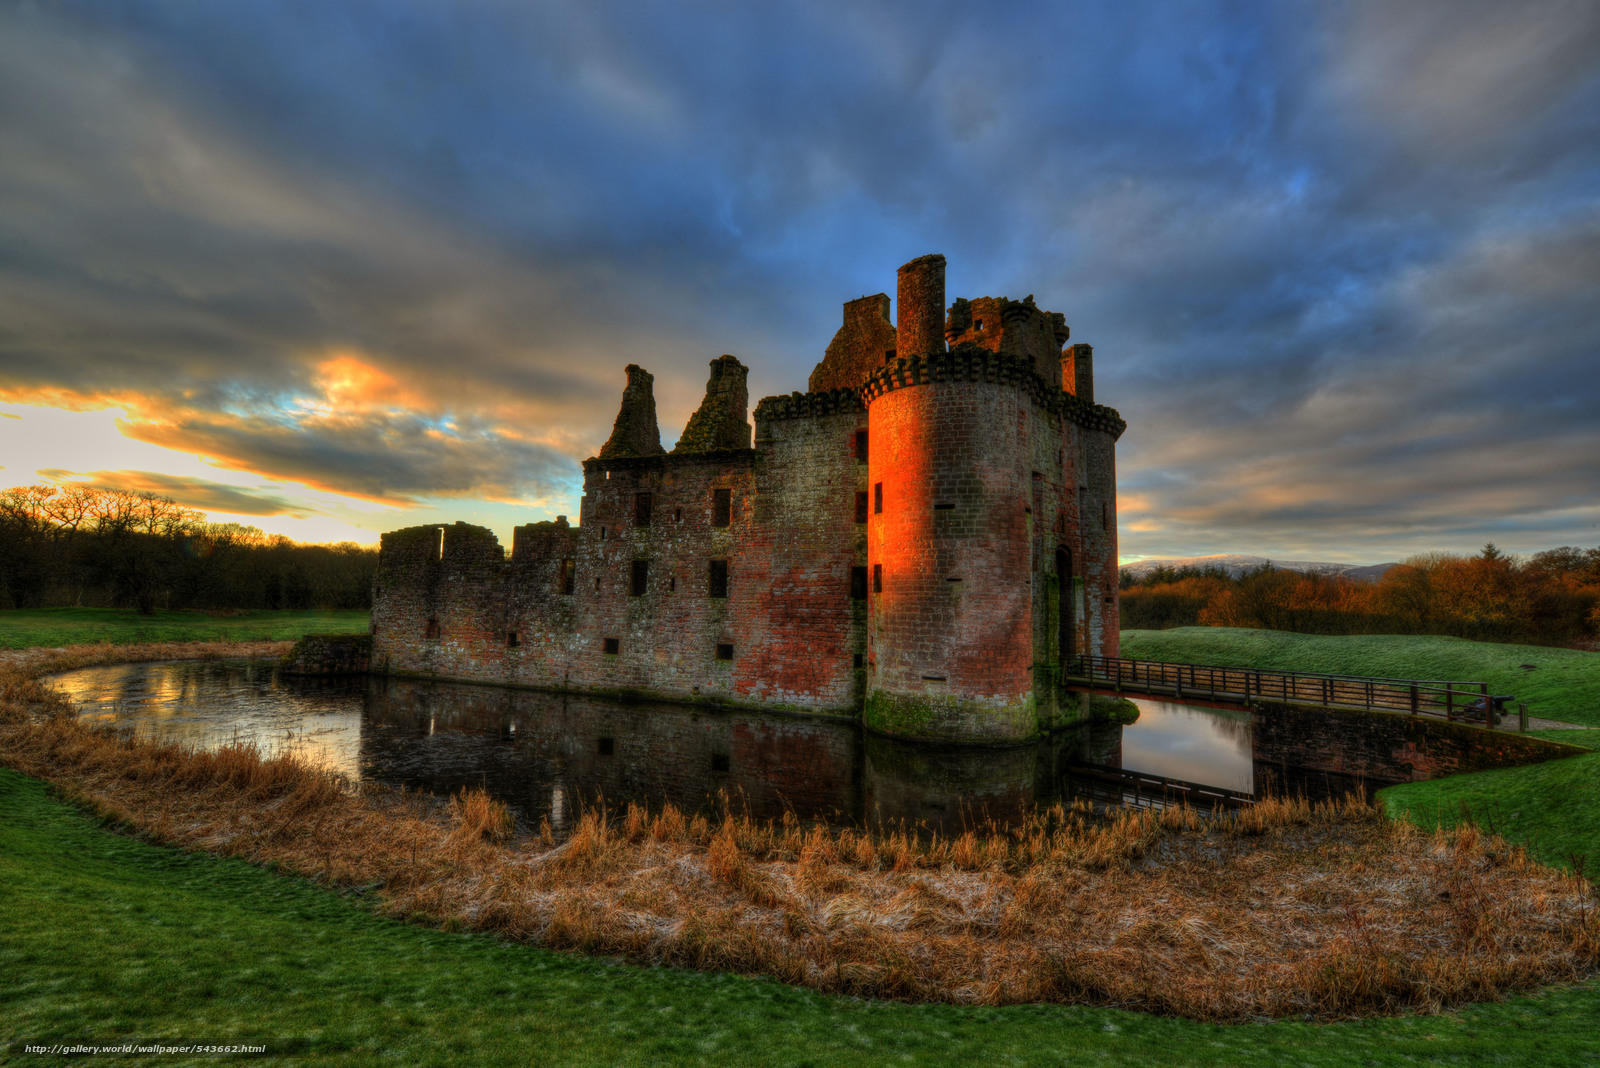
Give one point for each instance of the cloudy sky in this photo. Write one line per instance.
(332, 267)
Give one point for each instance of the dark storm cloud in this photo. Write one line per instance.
(1335, 260)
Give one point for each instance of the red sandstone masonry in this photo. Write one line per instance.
(993, 476)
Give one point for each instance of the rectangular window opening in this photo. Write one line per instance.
(717, 586)
(677, 515)
(721, 507)
(607, 746)
(858, 583)
(856, 660)
(720, 762)
(877, 578)
(934, 678)
(1105, 516)
(602, 533)
(977, 324)
(672, 583)
(612, 646)
(569, 576)
(724, 652)
(641, 509)
(861, 506)
(511, 639)
(431, 628)
(861, 446)
(877, 498)
(943, 506)
(641, 578)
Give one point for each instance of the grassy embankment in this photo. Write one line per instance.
(1553, 808)
(25, 628)
(115, 939)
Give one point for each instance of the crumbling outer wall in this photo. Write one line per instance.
(863, 344)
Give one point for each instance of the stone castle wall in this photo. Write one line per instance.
(924, 544)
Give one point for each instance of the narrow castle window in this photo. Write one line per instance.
(877, 578)
(855, 660)
(943, 506)
(672, 583)
(602, 533)
(641, 577)
(431, 628)
(511, 640)
(724, 652)
(612, 646)
(1105, 518)
(877, 498)
(858, 583)
(677, 515)
(861, 446)
(721, 507)
(569, 575)
(718, 585)
(720, 762)
(641, 509)
(607, 746)
(977, 324)
(861, 506)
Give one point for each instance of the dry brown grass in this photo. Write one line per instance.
(1285, 908)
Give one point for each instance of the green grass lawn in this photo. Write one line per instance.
(109, 939)
(23, 628)
(1553, 808)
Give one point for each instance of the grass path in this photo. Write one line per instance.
(109, 939)
(26, 628)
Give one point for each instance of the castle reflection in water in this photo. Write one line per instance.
(549, 755)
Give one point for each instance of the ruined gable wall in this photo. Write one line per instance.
(667, 636)
(863, 344)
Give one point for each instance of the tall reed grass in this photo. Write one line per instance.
(1286, 908)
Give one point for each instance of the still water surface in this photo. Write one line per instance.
(547, 754)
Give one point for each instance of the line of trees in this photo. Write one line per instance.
(80, 545)
(1550, 598)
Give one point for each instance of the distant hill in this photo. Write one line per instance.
(1236, 564)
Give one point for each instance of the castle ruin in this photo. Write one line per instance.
(922, 540)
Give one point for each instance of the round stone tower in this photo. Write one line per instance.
(950, 616)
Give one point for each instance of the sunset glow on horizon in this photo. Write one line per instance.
(351, 269)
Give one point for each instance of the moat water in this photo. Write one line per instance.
(547, 755)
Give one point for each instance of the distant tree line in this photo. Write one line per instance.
(1550, 598)
(79, 545)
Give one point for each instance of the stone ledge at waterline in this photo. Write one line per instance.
(1389, 747)
(329, 654)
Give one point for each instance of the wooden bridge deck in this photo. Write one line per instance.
(1456, 701)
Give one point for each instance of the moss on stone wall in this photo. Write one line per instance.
(949, 719)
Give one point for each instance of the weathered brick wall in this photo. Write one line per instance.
(919, 307)
(863, 344)
(801, 640)
(996, 544)
(1014, 327)
(1386, 747)
(951, 631)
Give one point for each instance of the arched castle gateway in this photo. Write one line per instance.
(921, 539)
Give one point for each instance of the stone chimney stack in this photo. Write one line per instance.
(635, 432)
(919, 310)
(1077, 371)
